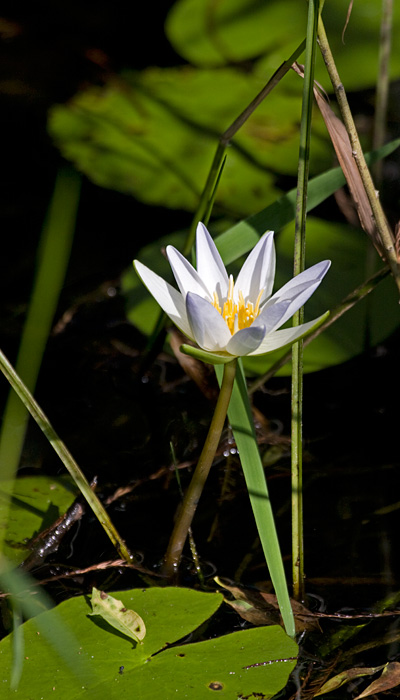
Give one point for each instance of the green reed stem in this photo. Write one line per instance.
(52, 260)
(192, 496)
(44, 424)
(298, 318)
(378, 213)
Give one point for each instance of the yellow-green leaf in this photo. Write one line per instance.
(114, 612)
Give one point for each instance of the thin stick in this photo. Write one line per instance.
(192, 497)
(44, 424)
(379, 216)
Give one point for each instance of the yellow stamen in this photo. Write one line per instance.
(243, 314)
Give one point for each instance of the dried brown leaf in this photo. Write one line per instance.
(389, 678)
(341, 143)
(261, 608)
(346, 676)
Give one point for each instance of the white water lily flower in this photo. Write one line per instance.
(228, 318)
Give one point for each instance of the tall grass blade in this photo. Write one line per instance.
(241, 420)
(53, 256)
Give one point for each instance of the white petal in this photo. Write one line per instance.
(208, 327)
(186, 276)
(258, 271)
(170, 300)
(297, 291)
(245, 341)
(271, 316)
(287, 336)
(209, 264)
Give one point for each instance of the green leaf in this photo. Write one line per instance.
(36, 502)
(241, 420)
(154, 134)
(217, 34)
(114, 612)
(115, 671)
(214, 34)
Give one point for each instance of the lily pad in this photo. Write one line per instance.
(154, 134)
(36, 502)
(217, 34)
(235, 665)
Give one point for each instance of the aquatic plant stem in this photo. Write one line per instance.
(382, 226)
(192, 496)
(382, 84)
(44, 424)
(298, 318)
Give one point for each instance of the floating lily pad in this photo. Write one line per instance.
(154, 134)
(112, 666)
(216, 34)
(36, 502)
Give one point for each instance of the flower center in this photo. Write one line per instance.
(240, 315)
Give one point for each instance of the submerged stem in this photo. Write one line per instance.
(192, 497)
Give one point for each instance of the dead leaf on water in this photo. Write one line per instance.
(389, 678)
(345, 676)
(261, 608)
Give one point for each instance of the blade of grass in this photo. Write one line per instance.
(53, 255)
(29, 600)
(17, 644)
(241, 420)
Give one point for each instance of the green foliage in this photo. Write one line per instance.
(113, 666)
(215, 34)
(153, 134)
(36, 502)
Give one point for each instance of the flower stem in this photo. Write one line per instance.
(192, 497)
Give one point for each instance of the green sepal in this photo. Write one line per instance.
(212, 358)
